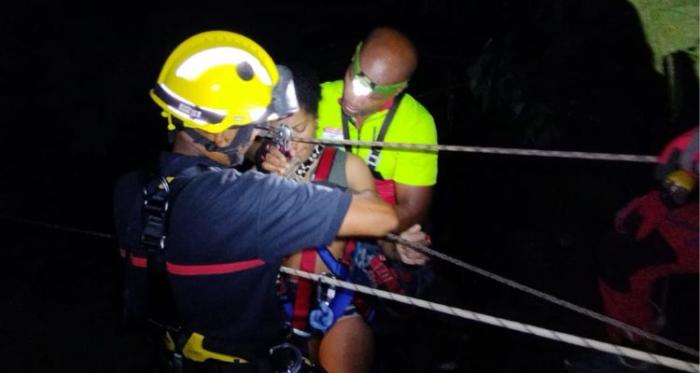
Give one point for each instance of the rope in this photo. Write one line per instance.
(489, 150)
(504, 323)
(513, 284)
(58, 227)
(457, 262)
(539, 294)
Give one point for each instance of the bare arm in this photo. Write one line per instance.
(360, 179)
(357, 173)
(372, 212)
(368, 215)
(412, 203)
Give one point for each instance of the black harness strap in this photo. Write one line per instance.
(161, 303)
(159, 194)
(346, 133)
(373, 157)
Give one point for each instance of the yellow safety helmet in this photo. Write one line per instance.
(215, 80)
(680, 179)
(678, 187)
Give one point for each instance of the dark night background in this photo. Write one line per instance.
(565, 75)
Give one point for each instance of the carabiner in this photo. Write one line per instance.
(282, 138)
(293, 361)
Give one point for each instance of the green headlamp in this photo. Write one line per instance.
(362, 85)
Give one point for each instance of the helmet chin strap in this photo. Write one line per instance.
(242, 137)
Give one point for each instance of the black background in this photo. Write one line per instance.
(565, 75)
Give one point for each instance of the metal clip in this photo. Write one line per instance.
(292, 360)
(325, 292)
(321, 318)
(282, 138)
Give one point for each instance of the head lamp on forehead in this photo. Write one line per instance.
(362, 85)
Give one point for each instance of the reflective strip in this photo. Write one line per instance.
(135, 261)
(197, 270)
(212, 269)
(139, 262)
(195, 112)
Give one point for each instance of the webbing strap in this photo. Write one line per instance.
(302, 300)
(386, 189)
(343, 297)
(304, 290)
(325, 164)
(384, 276)
(337, 268)
(154, 214)
(373, 157)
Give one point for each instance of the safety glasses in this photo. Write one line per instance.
(362, 85)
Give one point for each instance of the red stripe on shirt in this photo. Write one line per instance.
(212, 269)
(139, 262)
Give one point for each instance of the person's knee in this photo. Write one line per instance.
(348, 346)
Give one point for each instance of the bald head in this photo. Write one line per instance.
(388, 56)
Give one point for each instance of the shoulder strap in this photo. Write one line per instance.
(159, 194)
(346, 132)
(161, 302)
(373, 158)
(325, 164)
(304, 291)
(338, 175)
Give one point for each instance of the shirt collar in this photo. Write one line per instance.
(388, 104)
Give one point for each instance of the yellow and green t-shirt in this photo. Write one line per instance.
(412, 124)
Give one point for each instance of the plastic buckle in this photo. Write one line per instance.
(325, 292)
(372, 159)
(154, 212)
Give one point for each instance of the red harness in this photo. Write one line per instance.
(304, 291)
(383, 276)
(386, 190)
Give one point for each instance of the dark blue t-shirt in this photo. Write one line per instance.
(218, 219)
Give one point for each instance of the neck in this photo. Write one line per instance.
(358, 120)
(184, 145)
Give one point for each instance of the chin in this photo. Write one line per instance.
(348, 109)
